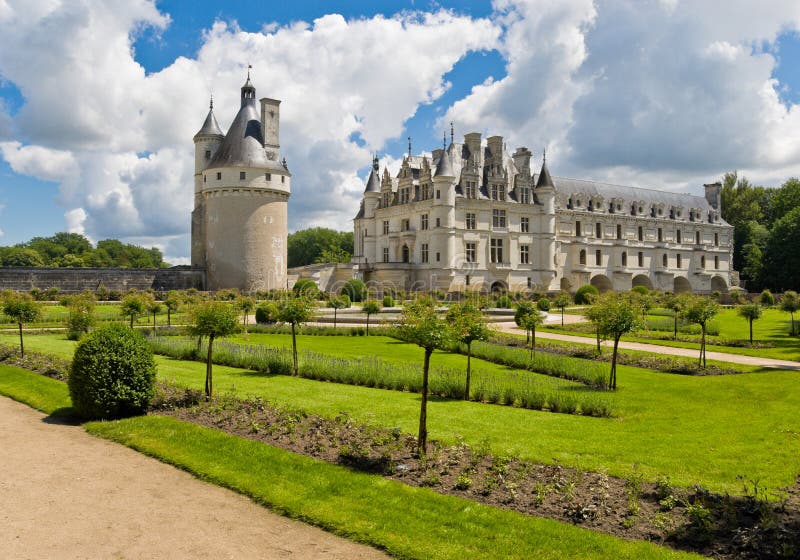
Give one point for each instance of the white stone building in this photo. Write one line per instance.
(472, 217)
(241, 191)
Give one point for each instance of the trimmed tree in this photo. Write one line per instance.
(751, 312)
(80, 315)
(172, 302)
(246, 305)
(295, 311)
(420, 325)
(615, 314)
(370, 307)
(154, 307)
(22, 308)
(700, 310)
(677, 304)
(340, 302)
(468, 325)
(212, 319)
(790, 303)
(529, 322)
(524, 308)
(562, 301)
(133, 305)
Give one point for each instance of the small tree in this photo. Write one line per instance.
(80, 315)
(420, 325)
(246, 305)
(172, 302)
(295, 311)
(154, 307)
(790, 303)
(468, 325)
(529, 322)
(751, 312)
(340, 302)
(766, 298)
(615, 315)
(562, 301)
(212, 319)
(677, 304)
(22, 308)
(370, 307)
(133, 305)
(701, 310)
(524, 308)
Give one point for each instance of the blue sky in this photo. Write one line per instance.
(99, 100)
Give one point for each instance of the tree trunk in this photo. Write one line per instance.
(751, 332)
(154, 321)
(703, 345)
(367, 324)
(469, 358)
(422, 439)
(334, 317)
(613, 380)
(533, 342)
(562, 316)
(294, 349)
(598, 341)
(131, 320)
(209, 381)
(21, 344)
(675, 326)
(169, 317)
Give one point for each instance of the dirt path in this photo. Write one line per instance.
(66, 494)
(658, 349)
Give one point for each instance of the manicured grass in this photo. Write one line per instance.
(55, 315)
(407, 522)
(705, 430)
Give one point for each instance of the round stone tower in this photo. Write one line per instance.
(239, 225)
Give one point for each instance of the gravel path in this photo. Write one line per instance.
(658, 349)
(66, 494)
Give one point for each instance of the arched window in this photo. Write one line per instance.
(582, 257)
(624, 258)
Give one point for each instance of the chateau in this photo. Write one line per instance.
(473, 217)
(241, 191)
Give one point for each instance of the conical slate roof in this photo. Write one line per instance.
(544, 177)
(243, 146)
(210, 126)
(373, 182)
(443, 167)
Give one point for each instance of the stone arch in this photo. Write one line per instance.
(566, 285)
(718, 284)
(499, 287)
(602, 283)
(681, 285)
(406, 254)
(642, 280)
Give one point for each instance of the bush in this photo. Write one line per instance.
(504, 302)
(306, 287)
(388, 301)
(585, 294)
(543, 304)
(355, 289)
(266, 313)
(113, 374)
(767, 298)
(640, 290)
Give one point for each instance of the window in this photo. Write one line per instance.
(438, 222)
(530, 282)
(498, 218)
(424, 252)
(524, 254)
(219, 175)
(208, 154)
(471, 221)
(640, 260)
(283, 178)
(697, 238)
(624, 258)
(268, 176)
(577, 229)
(498, 192)
(470, 252)
(438, 256)
(664, 260)
(525, 195)
(466, 280)
(496, 250)
(716, 240)
(471, 190)
(406, 254)
(716, 262)
(384, 202)
(598, 231)
(678, 237)
(385, 227)
(619, 231)
(524, 225)
(703, 262)
(423, 221)
(582, 257)
(405, 225)
(405, 195)
(204, 177)
(438, 193)
(598, 257)
(640, 233)
(660, 235)
(242, 175)
(679, 260)
(386, 254)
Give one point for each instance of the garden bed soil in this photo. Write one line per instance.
(755, 526)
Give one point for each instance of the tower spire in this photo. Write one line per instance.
(452, 133)
(409, 146)
(211, 103)
(444, 140)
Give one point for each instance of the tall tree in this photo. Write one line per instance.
(295, 311)
(782, 255)
(307, 245)
(700, 310)
(212, 319)
(616, 314)
(468, 325)
(421, 325)
(22, 308)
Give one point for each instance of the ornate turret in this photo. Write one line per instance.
(544, 181)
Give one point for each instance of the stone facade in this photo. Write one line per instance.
(76, 280)
(473, 217)
(241, 193)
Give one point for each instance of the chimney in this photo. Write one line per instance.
(714, 195)
(270, 122)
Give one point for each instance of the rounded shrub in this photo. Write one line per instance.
(266, 313)
(640, 290)
(113, 374)
(504, 302)
(767, 298)
(355, 289)
(388, 301)
(543, 304)
(585, 294)
(306, 287)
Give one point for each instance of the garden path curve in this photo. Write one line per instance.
(67, 494)
(659, 349)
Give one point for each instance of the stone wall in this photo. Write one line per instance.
(74, 280)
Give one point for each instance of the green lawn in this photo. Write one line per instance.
(55, 315)
(705, 430)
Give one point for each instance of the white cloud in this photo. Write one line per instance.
(43, 163)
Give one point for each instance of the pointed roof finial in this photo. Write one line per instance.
(409, 146)
(452, 133)
(211, 103)
(444, 140)
(249, 67)
(544, 155)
